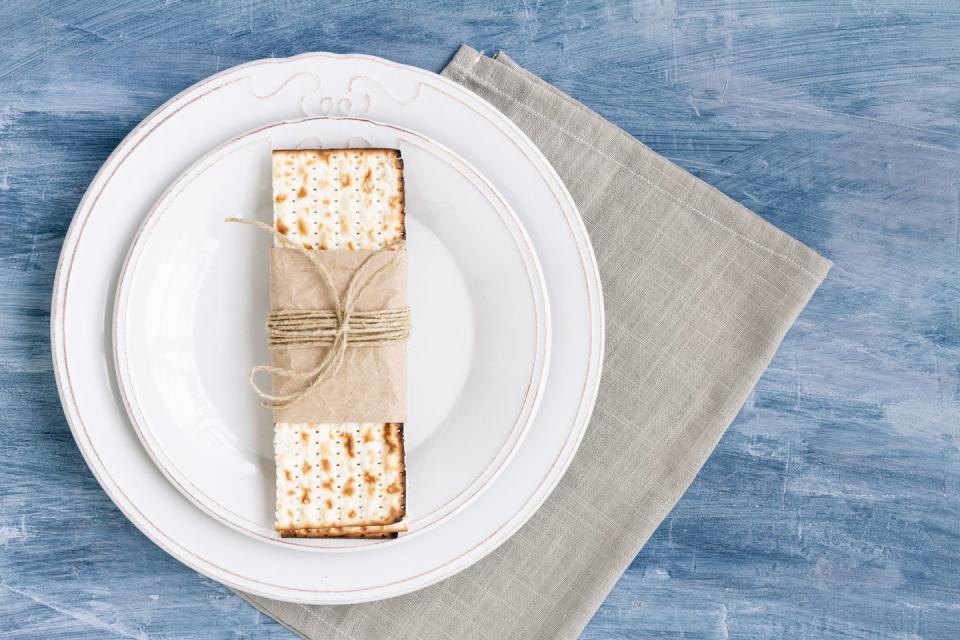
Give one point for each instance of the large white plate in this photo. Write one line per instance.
(168, 142)
(194, 293)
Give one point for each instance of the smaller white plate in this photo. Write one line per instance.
(193, 296)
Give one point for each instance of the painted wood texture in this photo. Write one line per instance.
(831, 508)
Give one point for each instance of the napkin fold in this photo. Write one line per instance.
(699, 293)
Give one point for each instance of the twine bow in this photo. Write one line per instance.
(338, 329)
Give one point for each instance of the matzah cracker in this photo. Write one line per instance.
(339, 198)
(346, 199)
(338, 475)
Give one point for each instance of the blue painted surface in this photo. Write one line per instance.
(832, 506)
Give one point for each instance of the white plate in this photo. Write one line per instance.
(166, 144)
(194, 293)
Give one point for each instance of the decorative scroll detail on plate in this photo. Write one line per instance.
(343, 105)
(283, 85)
(357, 142)
(326, 96)
(356, 99)
(311, 142)
(314, 142)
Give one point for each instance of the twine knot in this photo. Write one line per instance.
(339, 329)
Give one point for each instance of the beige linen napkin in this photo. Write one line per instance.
(699, 293)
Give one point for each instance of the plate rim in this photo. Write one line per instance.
(526, 414)
(128, 507)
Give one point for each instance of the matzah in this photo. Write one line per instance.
(338, 475)
(339, 198)
(339, 480)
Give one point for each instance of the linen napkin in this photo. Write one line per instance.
(699, 293)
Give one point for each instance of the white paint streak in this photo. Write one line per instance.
(79, 615)
(725, 630)
(676, 64)
(786, 472)
(783, 106)
(956, 221)
(13, 534)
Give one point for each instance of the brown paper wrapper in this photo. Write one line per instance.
(371, 385)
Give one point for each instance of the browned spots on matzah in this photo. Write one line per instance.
(305, 436)
(306, 467)
(307, 245)
(367, 185)
(288, 475)
(280, 197)
(352, 514)
(363, 490)
(348, 444)
(325, 464)
(302, 193)
(282, 228)
(345, 180)
(367, 436)
(305, 496)
(302, 226)
(390, 438)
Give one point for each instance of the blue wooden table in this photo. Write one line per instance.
(831, 508)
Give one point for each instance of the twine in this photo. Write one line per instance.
(339, 329)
